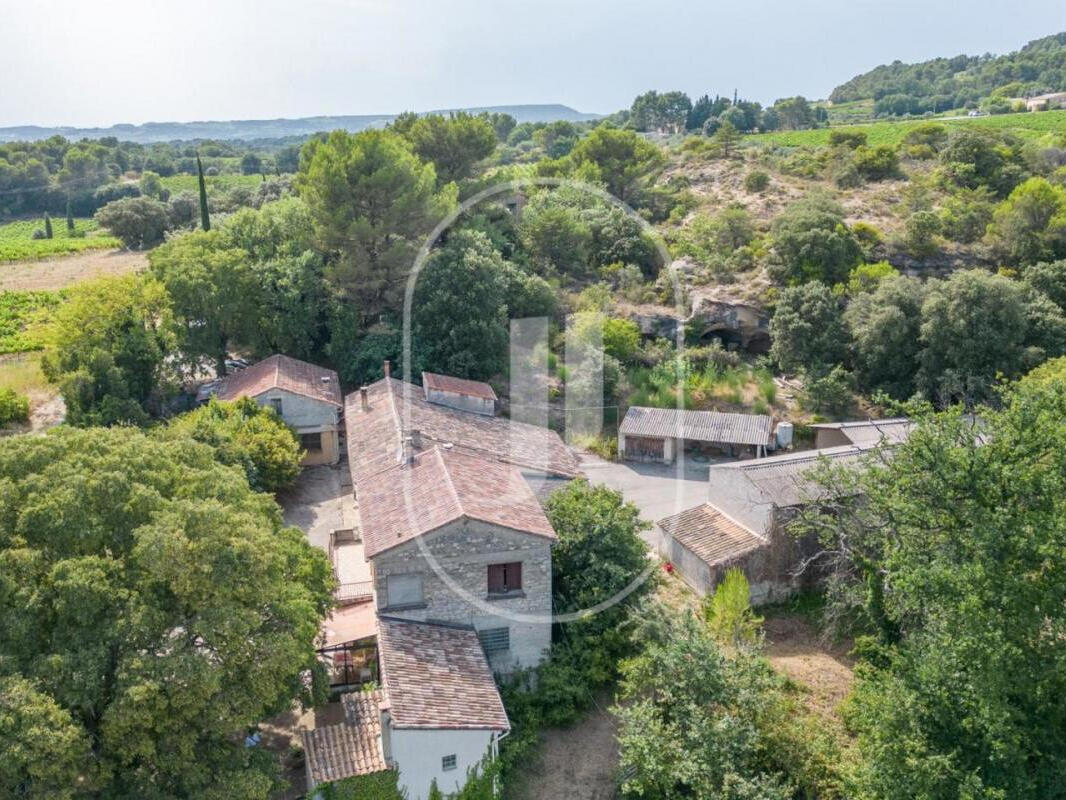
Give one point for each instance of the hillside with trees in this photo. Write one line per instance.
(943, 84)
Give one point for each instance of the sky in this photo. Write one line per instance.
(101, 62)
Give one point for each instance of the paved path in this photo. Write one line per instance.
(320, 501)
(658, 490)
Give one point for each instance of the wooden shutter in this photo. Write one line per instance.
(513, 580)
(496, 578)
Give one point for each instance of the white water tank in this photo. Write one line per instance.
(784, 435)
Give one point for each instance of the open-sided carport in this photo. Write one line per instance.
(656, 434)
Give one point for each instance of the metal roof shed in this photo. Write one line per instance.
(652, 434)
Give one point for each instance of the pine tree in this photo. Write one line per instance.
(70, 217)
(205, 219)
(47, 226)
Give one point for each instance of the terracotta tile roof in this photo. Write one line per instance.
(374, 437)
(447, 383)
(352, 747)
(439, 487)
(282, 372)
(711, 535)
(437, 676)
(701, 426)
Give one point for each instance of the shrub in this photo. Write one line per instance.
(729, 615)
(138, 221)
(964, 216)
(920, 233)
(877, 163)
(13, 407)
(756, 181)
(850, 139)
(830, 393)
(868, 236)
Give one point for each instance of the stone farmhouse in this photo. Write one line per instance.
(457, 553)
(306, 396)
(750, 503)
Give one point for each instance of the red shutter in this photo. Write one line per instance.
(496, 579)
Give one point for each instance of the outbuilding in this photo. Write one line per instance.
(658, 434)
(459, 393)
(306, 396)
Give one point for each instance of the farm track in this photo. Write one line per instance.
(65, 271)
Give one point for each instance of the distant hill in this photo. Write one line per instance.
(946, 83)
(270, 128)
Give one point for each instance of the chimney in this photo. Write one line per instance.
(416, 439)
(388, 368)
(364, 399)
(408, 450)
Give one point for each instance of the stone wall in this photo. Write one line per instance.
(463, 551)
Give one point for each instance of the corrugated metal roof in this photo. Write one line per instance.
(711, 535)
(701, 426)
(785, 480)
(872, 431)
(448, 383)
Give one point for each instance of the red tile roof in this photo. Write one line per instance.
(437, 676)
(442, 486)
(351, 748)
(374, 437)
(447, 383)
(711, 535)
(282, 372)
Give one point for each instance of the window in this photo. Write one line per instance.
(447, 763)
(495, 640)
(311, 442)
(275, 403)
(505, 578)
(404, 590)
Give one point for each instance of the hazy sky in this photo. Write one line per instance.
(98, 62)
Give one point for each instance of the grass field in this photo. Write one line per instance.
(891, 132)
(188, 183)
(23, 374)
(17, 242)
(20, 314)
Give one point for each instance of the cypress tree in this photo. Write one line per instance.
(47, 226)
(205, 219)
(70, 217)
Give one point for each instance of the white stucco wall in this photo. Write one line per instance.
(418, 754)
(463, 551)
(692, 569)
(307, 415)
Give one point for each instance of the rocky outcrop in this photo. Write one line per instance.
(737, 325)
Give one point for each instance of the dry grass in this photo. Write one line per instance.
(59, 273)
(22, 373)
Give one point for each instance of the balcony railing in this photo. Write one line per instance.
(348, 594)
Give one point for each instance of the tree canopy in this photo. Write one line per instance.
(152, 608)
(244, 434)
(371, 199)
(947, 550)
(107, 350)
